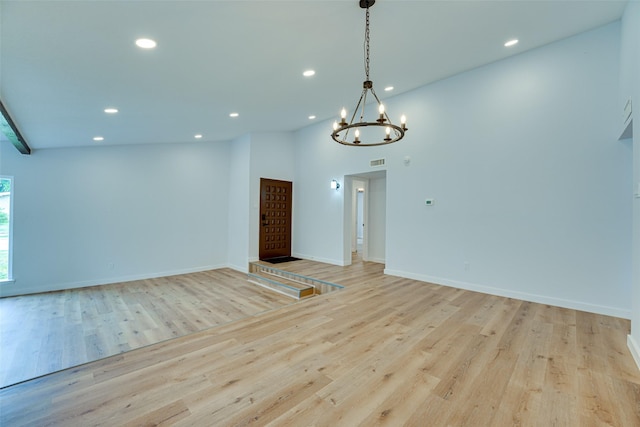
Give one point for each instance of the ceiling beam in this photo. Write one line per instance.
(10, 130)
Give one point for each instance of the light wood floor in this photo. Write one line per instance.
(383, 351)
(44, 333)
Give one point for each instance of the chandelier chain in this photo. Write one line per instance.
(366, 44)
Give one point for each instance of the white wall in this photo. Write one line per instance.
(272, 158)
(320, 211)
(318, 228)
(532, 189)
(531, 186)
(239, 206)
(630, 87)
(377, 219)
(86, 216)
(254, 156)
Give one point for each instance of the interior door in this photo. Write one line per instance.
(275, 218)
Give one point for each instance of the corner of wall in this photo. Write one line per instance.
(634, 348)
(630, 88)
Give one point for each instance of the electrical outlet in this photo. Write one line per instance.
(111, 266)
(467, 267)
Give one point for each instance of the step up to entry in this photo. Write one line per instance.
(287, 283)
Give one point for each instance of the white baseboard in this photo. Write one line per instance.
(244, 269)
(341, 263)
(634, 348)
(21, 289)
(541, 299)
(377, 260)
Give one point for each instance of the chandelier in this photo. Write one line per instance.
(385, 132)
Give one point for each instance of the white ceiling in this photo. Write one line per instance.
(63, 62)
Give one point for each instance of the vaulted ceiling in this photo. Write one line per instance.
(63, 62)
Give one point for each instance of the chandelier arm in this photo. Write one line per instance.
(364, 104)
(361, 101)
(373, 92)
(386, 116)
(355, 111)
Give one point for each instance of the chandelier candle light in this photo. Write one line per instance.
(392, 133)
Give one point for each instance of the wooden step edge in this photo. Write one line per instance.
(272, 288)
(299, 284)
(283, 288)
(304, 289)
(295, 284)
(309, 292)
(284, 278)
(276, 271)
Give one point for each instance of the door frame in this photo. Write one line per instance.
(356, 184)
(289, 219)
(351, 184)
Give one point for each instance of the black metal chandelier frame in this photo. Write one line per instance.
(393, 133)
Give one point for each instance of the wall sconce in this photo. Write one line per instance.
(335, 185)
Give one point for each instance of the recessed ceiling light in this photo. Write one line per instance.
(308, 73)
(98, 138)
(234, 115)
(388, 88)
(511, 43)
(146, 43)
(197, 136)
(312, 117)
(110, 110)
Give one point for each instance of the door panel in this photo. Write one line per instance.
(275, 218)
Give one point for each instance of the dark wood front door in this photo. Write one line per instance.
(275, 218)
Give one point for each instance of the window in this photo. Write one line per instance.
(5, 227)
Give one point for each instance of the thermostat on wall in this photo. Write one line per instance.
(429, 202)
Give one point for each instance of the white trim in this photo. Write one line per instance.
(24, 290)
(525, 296)
(10, 278)
(239, 269)
(376, 260)
(634, 348)
(341, 263)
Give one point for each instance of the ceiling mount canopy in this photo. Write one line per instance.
(380, 131)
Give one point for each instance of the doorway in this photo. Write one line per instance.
(365, 217)
(359, 225)
(275, 218)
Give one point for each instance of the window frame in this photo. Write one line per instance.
(9, 278)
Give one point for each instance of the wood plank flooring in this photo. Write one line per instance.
(383, 351)
(44, 333)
